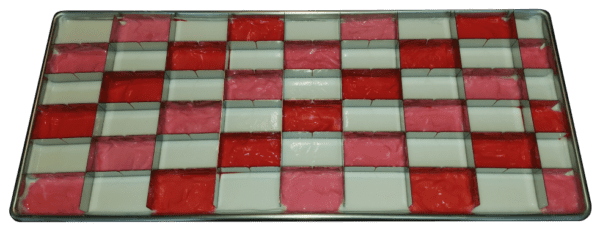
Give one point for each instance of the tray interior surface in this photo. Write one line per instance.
(400, 114)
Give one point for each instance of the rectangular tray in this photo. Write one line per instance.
(345, 115)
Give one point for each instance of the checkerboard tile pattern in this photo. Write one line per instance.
(386, 112)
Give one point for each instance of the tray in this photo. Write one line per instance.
(346, 115)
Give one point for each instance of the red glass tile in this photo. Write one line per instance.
(131, 87)
(179, 192)
(548, 116)
(429, 54)
(371, 84)
(250, 149)
(196, 56)
(64, 121)
(255, 28)
(443, 190)
(505, 150)
(486, 26)
(312, 116)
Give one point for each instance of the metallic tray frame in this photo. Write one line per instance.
(14, 213)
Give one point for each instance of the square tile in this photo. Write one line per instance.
(437, 153)
(429, 54)
(502, 193)
(563, 190)
(312, 55)
(58, 158)
(83, 31)
(121, 153)
(64, 121)
(125, 195)
(379, 149)
(77, 58)
(554, 153)
(312, 116)
(52, 194)
(196, 56)
(371, 58)
(252, 120)
(373, 118)
(443, 191)
(312, 29)
(254, 85)
(430, 87)
(139, 60)
(130, 122)
(195, 89)
(487, 57)
(486, 26)
(311, 152)
(197, 29)
(72, 92)
(369, 27)
(535, 53)
(530, 27)
(250, 149)
(312, 88)
(259, 59)
(131, 87)
(182, 192)
(505, 150)
(436, 115)
(495, 84)
(141, 28)
(255, 28)
(375, 192)
(190, 117)
(424, 28)
(249, 193)
(371, 84)
(541, 87)
(312, 190)
(496, 119)
(548, 116)
(186, 154)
